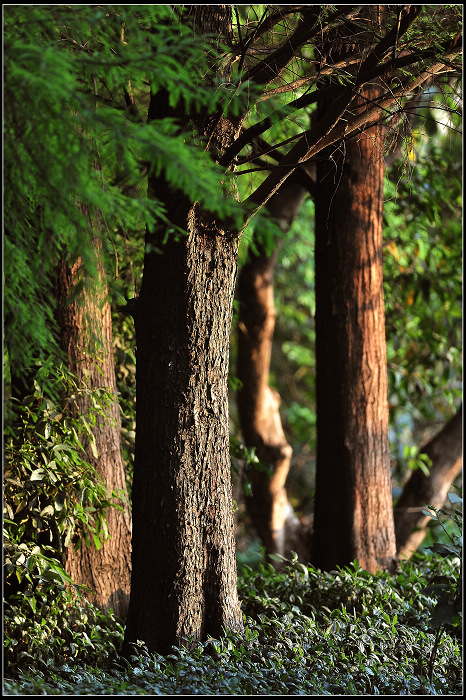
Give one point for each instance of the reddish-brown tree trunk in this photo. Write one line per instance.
(353, 516)
(105, 571)
(445, 451)
(258, 404)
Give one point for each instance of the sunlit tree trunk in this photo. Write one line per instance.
(445, 450)
(353, 507)
(184, 582)
(86, 338)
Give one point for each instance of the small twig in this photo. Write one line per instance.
(430, 669)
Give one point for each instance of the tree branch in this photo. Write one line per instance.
(453, 47)
(445, 452)
(271, 67)
(329, 130)
(369, 70)
(265, 24)
(387, 43)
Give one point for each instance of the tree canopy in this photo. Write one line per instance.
(74, 141)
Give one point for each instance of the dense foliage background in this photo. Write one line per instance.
(308, 632)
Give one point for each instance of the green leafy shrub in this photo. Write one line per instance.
(364, 633)
(59, 630)
(448, 587)
(52, 496)
(307, 632)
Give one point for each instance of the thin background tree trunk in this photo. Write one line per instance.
(258, 404)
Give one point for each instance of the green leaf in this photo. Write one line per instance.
(93, 445)
(427, 512)
(37, 475)
(59, 502)
(277, 557)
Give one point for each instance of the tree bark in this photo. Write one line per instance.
(420, 491)
(258, 404)
(184, 581)
(353, 509)
(105, 571)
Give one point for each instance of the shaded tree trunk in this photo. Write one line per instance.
(184, 581)
(353, 516)
(105, 571)
(445, 451)
(271, 512)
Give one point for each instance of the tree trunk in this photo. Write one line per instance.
(353, 509)
(258, 404)
(420, 491)
(105, 571)
(184, 582)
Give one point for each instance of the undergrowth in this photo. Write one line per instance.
(307, 632)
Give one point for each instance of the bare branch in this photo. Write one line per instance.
(390, 39)
(265, 24)
(333, 128)
(451, 47)
(271, 67)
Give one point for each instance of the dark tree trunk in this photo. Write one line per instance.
(258, 404)
(353, 516)
(105, 571)
(184, 583)
(445, 451)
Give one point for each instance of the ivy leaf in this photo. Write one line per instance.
(59, 502)
(37, 475)
(426, 512)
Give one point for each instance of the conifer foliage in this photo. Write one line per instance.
(75, 142)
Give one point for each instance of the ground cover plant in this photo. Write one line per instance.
(306, 632)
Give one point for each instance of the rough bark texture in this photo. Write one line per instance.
(445, 450)
(353, 510)
(105, 571)
(184, 583)
(258, 404)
